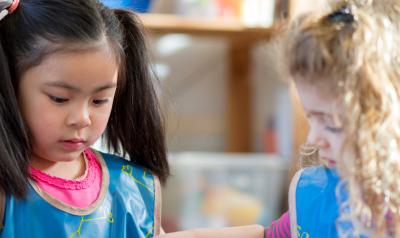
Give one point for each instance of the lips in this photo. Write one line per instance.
(75, 140)
(73, 144)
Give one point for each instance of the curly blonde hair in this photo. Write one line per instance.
(354, 51)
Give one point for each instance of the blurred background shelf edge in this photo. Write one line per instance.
(158, 23)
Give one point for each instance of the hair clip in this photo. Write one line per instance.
(342, 14)
(7, 7)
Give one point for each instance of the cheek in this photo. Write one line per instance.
(337, 144)
(100, 120)
(39, 115)
(45, 127)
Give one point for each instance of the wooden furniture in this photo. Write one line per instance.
(240, 39)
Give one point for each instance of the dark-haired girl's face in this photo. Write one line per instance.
(66, 102)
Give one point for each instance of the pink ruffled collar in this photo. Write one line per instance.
(71, 184)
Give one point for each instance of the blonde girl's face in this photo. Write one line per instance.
(66, 102)
(324, 118)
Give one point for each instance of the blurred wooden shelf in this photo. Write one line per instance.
(166, 23)
(240, 40)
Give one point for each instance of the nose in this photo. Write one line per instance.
(315, 138)
(79, 117)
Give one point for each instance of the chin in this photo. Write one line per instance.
(69, 156)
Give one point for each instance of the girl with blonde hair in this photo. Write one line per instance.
(345, 64)
(346, 68)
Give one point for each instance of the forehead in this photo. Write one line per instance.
(82, 69)
(317, 98)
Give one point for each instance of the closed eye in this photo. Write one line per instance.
(58, 100)
(99, 102)
(334, 129)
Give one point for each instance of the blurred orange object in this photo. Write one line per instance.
(229, 8)
(270, 137)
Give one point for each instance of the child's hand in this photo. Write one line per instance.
(251, 231)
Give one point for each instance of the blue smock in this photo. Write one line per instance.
(128, 206)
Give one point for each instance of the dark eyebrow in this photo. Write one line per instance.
(64, 85)
(105, 87)
(58, 84)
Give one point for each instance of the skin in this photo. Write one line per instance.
(325, 129)
(66, 102)
(250, 231)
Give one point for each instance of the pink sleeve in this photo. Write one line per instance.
(279, 228)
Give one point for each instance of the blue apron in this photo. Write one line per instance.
(314, 199)
(316, 206)
(128, 206)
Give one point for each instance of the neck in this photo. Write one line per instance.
(62, 169)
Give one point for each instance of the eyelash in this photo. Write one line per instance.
(333, 129)
(60, 100)
(99, 102)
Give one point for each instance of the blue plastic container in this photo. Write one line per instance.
(136, 5)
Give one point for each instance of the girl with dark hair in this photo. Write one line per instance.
(69, 71)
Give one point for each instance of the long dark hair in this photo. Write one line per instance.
(40, 27)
